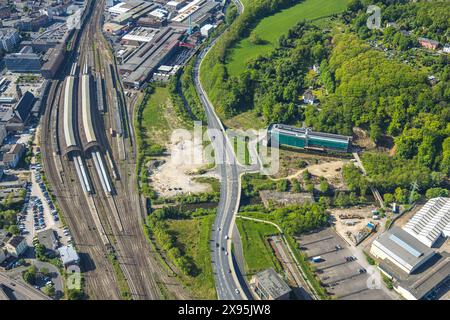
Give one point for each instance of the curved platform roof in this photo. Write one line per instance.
(88, 124)
(69, 135)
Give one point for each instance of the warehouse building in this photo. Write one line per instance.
(206, 30)
(135, 13)
(431, 222)
(401, 249)
(141, 64)
(175, 5)
(437, 276)
(139, 35)
(121, 8)
(113, 28)
(268, 285)
(152, 22)
(305, 138)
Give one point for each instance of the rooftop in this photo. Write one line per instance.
(428, 276)
(68, 255)
(428, 40)
(48, 239)
(403, 247)
(432, 221)
(15, 241)
(7, 32)
(24, 106)
(271, 282)
(438, 273)
(141, 34)
(303, 132)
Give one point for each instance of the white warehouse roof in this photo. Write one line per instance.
(119, 8)
(141, 34)
(402, 249)
(432, 221)
(159, 13)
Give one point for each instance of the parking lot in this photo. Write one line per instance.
(40, 213)
(339, 271)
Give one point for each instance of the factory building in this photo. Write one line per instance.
(431, 222)
(113, 28)
(305, 138)
(139, 35)
(204, 14)
(401, 249)
(416, 287)
(135, 13)
(175, 5)
(142, 63)
(152, 22)
(120, 8)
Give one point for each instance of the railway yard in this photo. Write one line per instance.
(91, 170)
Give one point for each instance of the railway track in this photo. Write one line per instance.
(98, 273)
(120, 211)
(102, 220)
(99, 276)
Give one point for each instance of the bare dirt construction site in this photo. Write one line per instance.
(294, 163)
(178, 172)
(183, 162)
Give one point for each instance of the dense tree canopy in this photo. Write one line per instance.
(377, 80)
(298, 219)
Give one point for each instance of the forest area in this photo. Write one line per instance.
(379, 80)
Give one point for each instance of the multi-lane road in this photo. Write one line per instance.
(141, 270)
(226, 276)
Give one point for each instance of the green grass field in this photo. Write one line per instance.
(258, 254)
(194, 235)
(272, 27)
(244, 121)
(159, 117)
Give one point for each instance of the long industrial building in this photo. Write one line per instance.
(87, 119)
(432, 221)
(140, 65)
(69, 134)
(401, 249)
(407, 255)
(135, 13)
(305, 138)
